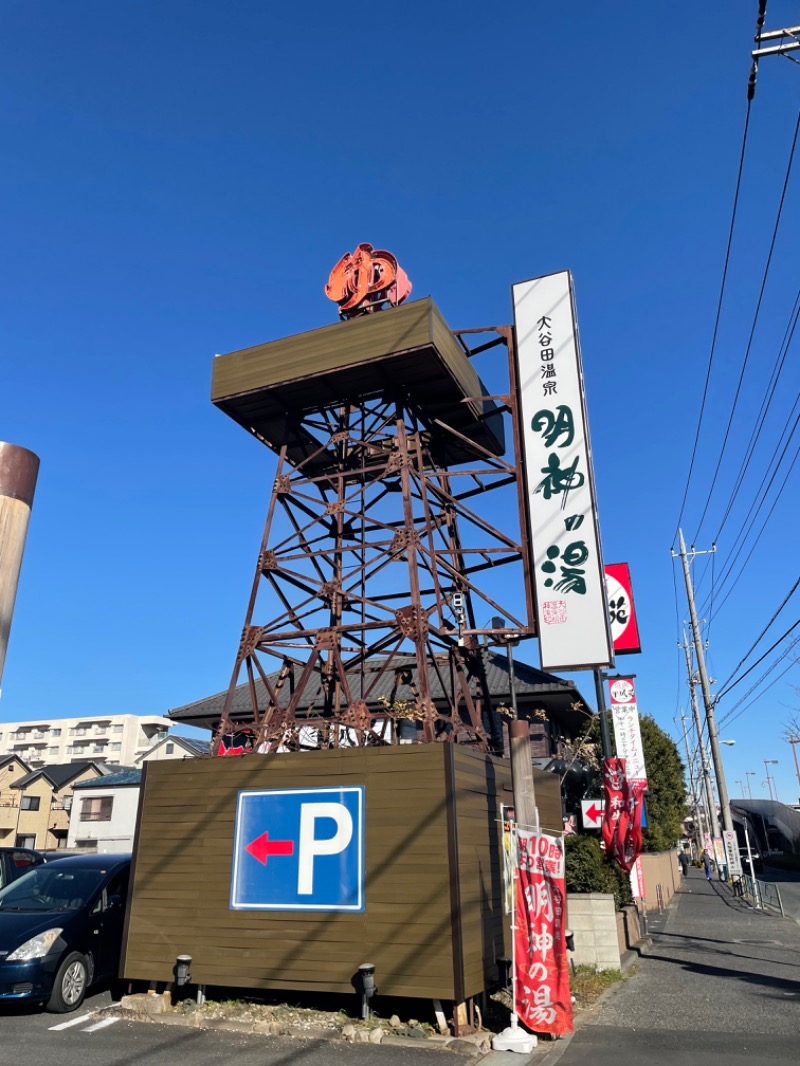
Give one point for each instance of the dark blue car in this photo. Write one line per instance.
(61, 929)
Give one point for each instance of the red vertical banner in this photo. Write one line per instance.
(622, 817)
(542, 998)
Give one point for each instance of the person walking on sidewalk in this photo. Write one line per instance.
(683, 859)
(707, 863)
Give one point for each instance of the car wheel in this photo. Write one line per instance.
(70, 984)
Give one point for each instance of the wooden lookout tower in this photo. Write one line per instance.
(381, 550)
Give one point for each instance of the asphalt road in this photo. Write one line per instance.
(789, 887)
(32, 1037)
(720, 986)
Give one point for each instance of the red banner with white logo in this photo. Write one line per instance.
(621, 609)
(622, 817)
(542, 998)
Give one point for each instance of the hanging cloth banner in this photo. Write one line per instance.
(542, 999)
(622, 817)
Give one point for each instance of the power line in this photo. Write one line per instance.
(730, 717)
(750, 669)
(744, 533)
(760, 636)
(718, 314)
(740, 382)
(772, 385)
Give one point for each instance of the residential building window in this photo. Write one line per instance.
(116, 747)
(55, 732)
(170, 748)
(68, 803)
(24, 840)
(118, 729)
(97, 809)
(29, 803)
(98, 749)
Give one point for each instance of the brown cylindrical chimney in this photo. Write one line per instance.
(18, 471)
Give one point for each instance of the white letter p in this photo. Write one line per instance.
(310, 846)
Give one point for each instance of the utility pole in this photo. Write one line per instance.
(716, 755)
(711, 806)
(788, 41)
(698, 828)
(600, 690)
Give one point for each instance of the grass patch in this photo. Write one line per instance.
(588, 984)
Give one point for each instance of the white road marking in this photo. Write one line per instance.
(72, 1021)
(101, 1025)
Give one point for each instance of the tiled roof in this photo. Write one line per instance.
(124, 777)
(58, 775)
(534, 689)
(201, 747)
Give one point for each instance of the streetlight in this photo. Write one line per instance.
(767, 764)
(794, 740)
(730, 743)
(748, 774)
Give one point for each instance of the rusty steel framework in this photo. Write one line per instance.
(383, 563)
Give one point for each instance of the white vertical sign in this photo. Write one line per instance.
(568, 578)
(627, 733)
(732, 854)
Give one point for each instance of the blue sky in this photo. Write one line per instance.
(178, 180)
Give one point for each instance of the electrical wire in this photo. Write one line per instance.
(740, 382)
(717, 317)
(746, 532)
(760, 637)
(772, 385)
(761, 658)
(730, 717)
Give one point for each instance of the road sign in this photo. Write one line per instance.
(299, 849)
(592, 813)
(732, 852)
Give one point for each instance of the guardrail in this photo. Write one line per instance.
(764, 894)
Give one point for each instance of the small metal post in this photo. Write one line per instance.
(366, 976)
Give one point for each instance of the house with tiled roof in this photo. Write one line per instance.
(42, 800)
(553, 706)
(174, 747)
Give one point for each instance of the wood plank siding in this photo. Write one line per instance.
(432, 924)
(406, 351)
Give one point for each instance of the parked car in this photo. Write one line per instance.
(61, 929)
(14, 862)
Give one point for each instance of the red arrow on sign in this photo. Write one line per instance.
(595, 813)
(262, 847)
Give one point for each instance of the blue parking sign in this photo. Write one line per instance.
(299, 849)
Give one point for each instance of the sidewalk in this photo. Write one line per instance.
(721, 980)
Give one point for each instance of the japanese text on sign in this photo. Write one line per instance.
(541, 976)
(572, 619)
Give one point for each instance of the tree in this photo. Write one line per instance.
(666, 797)
(588, 869)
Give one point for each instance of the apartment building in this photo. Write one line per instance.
(115, 739)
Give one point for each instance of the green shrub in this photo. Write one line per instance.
(588, 870)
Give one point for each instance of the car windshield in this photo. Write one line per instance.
(51, 888)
